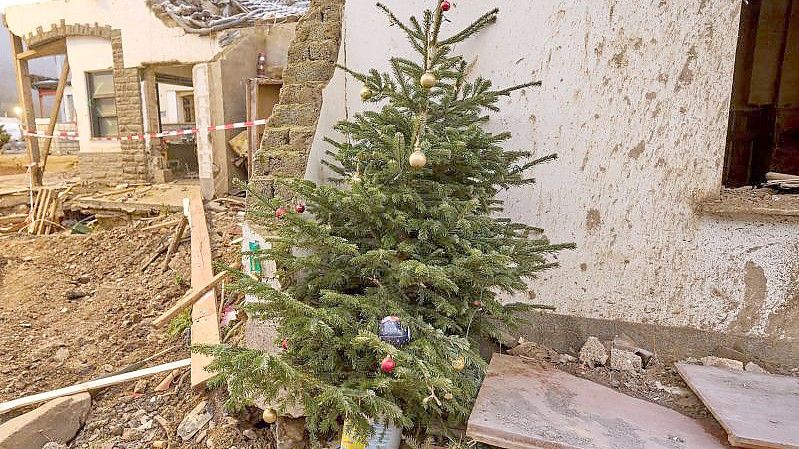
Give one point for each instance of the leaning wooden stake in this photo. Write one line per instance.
(175, 242)
(191, 297)
(91, 386)
(59, 95)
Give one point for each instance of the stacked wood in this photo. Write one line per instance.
(782, 181)
(44, 213)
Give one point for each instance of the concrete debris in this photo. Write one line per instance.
(54, 445)
(673, 390)
(720, 362)
(61, 355)
(567, 358)
(534, 350)
(622, 360)
(753, 367)
(593, 352)
(74, 295)
(140, 387)
(57, 420)
(250, 434)
(195, 420)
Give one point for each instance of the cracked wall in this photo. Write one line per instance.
(635, 101)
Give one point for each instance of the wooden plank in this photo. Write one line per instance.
(205, 321)
(59, 95)
(165, 224)
(42, 212)
(191, 297)
(51, 213)
(26, 99)
(530, 405)
(181, 228)
(34, 210)
(91, 386)
(58, 47)
(769, 48)
(789, 78)
(757, 410)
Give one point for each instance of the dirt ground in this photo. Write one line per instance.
(77, 307)
(14, 164)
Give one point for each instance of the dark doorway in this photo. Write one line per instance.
(763, 131)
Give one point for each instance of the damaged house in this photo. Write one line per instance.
(141, 69)
(658, 112)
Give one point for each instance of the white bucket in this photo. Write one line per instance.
(384, 436)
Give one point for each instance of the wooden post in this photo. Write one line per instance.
(26, 99)
(59, 95)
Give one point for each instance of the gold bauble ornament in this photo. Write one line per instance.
(269, 416)
(459, 363)
(366, 93)
(448, 396)
(417, 159)
(428, 80)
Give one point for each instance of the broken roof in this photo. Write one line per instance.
(207, 16)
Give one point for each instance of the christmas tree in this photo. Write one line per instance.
(409, 237)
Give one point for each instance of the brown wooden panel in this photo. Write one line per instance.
(524, 405)
(757, 410)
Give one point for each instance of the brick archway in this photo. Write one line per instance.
(132, 163)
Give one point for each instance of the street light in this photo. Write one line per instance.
(18, 111)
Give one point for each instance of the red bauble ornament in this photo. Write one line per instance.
(446, 5)
(280, 212)
(300, 208)
(387, 365)
(285, 344)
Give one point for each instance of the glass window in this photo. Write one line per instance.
(103, 107)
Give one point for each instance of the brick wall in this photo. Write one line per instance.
(290, 130)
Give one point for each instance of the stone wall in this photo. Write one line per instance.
(130, 119)
(105, 168)
(311, 62)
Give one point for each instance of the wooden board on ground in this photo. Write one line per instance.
(91, 386)
(191, 297)
(757, 410)
(523, 406)
(205, 321)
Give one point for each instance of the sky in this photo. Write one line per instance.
(8, 89)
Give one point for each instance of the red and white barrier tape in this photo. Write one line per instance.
(72, 135)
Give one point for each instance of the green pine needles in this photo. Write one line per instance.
(426, 244)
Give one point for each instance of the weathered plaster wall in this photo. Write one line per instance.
(635, 100)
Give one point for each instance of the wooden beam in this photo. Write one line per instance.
(59, 95)
(26, 99)
(91, 385)
(53, 48)
(205, 320)
(191, 297)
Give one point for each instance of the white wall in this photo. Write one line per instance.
(88, 54)
(145, 38)
(171, 103)
(635, 101)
